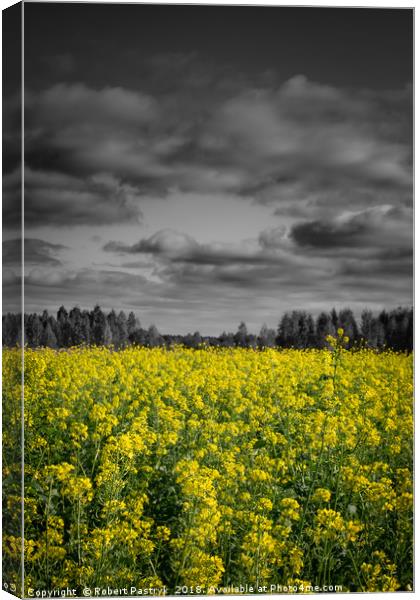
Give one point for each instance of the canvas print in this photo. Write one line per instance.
(207, 300)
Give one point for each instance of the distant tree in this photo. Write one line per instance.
(348, 323)
(366, 325)
(85, 327)
(98, 323)
(296, 330)
(19, 337)
(227, 340)
(251, 340)
(372, 330)
(11, 329)
(378, 335)
(138, 337)
(409, 332)
(267, 337)
(400, 321)
(334, 319)
(132, 323)
(306, 331)
(153, 337)
(48, 337)
(63, 328)
(113, 328)
(108, 337)
(241, 336)
(197, 339)
(44, 317)
(285, 334)
(33, 331)
(384, 318)
(122, 330)
(324, 327)
(192, 340)
(78, 330)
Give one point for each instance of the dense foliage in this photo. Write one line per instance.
(218, 466)
(297, 329)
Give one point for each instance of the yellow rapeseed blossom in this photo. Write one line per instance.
(210, 467)
(321, 495)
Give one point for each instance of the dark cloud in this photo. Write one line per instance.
(11, 291)
(162, 242)
(65, 279)
(12, 199)
(230, 292)
(177, 247)
(329, 235)
(50, 288)
(383, 228)
(54, 198)
(313, 255)
(11, 132)
(297, 145)
(162, 304)
(394, 267)
(332, 164)
(213, 293)
(134, 264)
(370, 249)
(36, 252)
(309, 144)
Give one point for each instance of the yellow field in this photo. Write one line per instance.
(197, 469)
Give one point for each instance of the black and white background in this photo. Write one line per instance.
(203, 165)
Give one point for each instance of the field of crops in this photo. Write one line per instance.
(198, 469)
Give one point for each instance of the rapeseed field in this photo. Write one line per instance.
(188, 470)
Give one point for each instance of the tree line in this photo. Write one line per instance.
(296, 329)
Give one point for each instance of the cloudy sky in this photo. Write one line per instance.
(207, 165)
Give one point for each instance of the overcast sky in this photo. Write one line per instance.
(207, 165)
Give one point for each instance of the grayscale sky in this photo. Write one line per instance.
(207, 165)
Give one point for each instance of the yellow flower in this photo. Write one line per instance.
(210, 465)
(321, 495)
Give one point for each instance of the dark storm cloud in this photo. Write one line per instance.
(48, 288)
(389, 265)
(12, 198)
(36, 252)
(12, 139)
(181, 288)
(386, 229)
(176, 247)
(251, 278)
(304, 114)
(135, 264)
(165, 242)
(79, 279)
(304, 282)
(59, 199)
(309, 144)
(379, 239)
(371, 244)
(297, 145)
(84, 132)
(185, 265)
(81, 147)
(329, 235)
